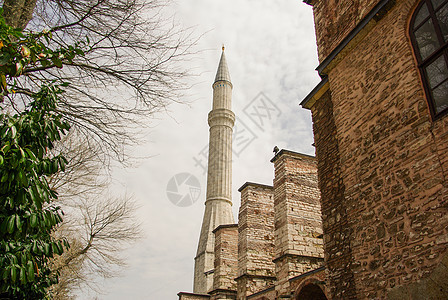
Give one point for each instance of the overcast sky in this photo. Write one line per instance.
(271, 54)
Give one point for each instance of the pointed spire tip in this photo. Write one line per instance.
(223, 72)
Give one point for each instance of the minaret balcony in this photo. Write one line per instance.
(221, 117)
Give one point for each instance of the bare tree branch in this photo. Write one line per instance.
(98, 227)
(134, 53)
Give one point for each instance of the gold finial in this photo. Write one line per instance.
(223, 47)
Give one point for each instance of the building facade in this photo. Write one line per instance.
(275, 251)
(381, 135)
(380, 121)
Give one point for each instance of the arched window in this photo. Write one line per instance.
(429, 35)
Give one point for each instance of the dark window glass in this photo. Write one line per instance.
(436, 3)
(440, 95)
(426, 39)
(429, 35)
(442, 17)
(437, 72)
(421, 15)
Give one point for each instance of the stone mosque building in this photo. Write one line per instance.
(367, 218)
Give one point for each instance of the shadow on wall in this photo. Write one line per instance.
(311, 291)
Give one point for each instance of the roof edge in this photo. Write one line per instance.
(260, 185)
(224, 226)
(291, 153)
(318, 90)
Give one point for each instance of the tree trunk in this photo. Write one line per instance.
(18, 13)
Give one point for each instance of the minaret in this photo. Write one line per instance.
(218, 204)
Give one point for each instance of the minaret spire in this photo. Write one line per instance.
(218, 203)
(223, 71)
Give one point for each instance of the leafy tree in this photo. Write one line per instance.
(28, 215)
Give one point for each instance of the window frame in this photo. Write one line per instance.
(441, 51)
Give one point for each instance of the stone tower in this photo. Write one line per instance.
(218, 203)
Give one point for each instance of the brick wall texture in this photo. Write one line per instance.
(297, 215)
(334, 19)
(337, 248)
(382, 160)
(256, 271)
(226, 259)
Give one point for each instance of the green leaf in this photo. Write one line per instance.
(24, 180)
(20, 176)
(54, 165)
(33, 220)
(60, 248)
(47, 249)
(35, 197)
(34, 248)
(31, 154)
(22, 275)
(30, 271)
(54, 248)
(47, 219)
(12, 257)
(61, 163)
(4, 133)
(13, 131)
(4, 177)
(6, 273)
(57, 62)
(18, 223)
(22, 153)
(13, 273)
(11, 221)
(3, 81)
(58, 218)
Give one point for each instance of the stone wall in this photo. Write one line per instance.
(256, 271)
(337, 249)
(226, 262)
(334, 19)
(382, 162)
(297, 215)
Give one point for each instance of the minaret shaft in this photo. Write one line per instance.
(218, 204)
